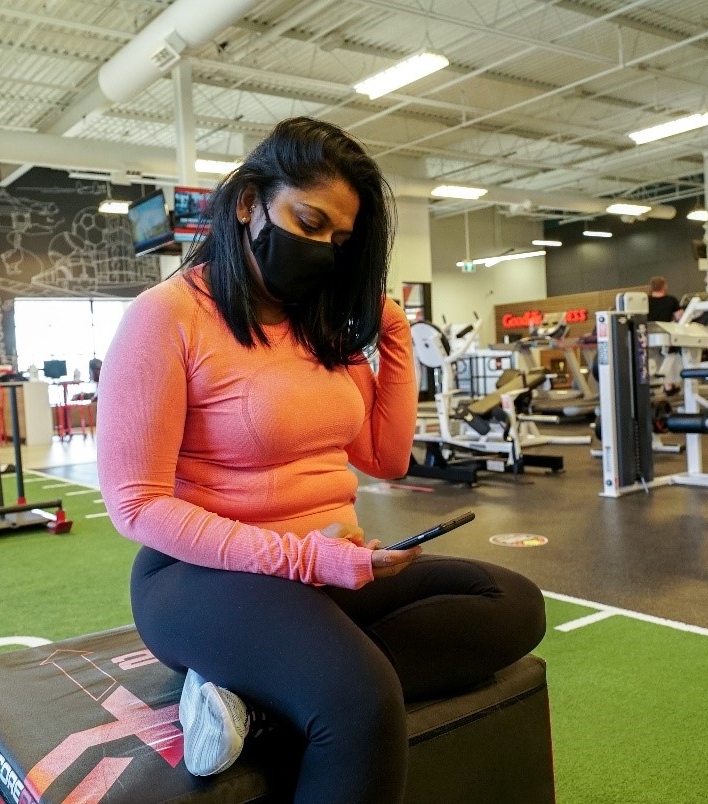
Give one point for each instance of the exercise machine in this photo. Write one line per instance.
(626, 412)
(582, 398)
(23, 514)
(432, 349)
(469, 435)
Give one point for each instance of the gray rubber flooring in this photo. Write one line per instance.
(644, 551)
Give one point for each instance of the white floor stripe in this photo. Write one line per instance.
(27, 641)
(57, 485)
(635, 615)
(83, 491)
(581, 622)
(55, 477)
(99, 501)
(95, 516)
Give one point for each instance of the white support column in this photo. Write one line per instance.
(411, 260)
(184, 124)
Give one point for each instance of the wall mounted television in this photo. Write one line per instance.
(54, 369)
(191, 213)
(150, 224)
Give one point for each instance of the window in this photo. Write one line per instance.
(75, 330)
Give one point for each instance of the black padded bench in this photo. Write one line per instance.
(93, 720)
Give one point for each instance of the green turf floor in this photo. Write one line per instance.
(629, 705)
(55, 586)
(628, 710)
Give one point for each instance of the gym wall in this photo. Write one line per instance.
(636, 252)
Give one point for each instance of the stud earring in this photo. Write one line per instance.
(244, 221)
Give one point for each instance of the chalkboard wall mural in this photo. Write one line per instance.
(54, 242)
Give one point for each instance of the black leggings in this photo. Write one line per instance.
(337, 664)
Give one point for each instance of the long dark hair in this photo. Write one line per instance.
(345, 316)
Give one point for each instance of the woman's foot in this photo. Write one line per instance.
(215, 722)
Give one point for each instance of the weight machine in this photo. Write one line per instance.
(583, 396)
(623, 337)
(473, 434)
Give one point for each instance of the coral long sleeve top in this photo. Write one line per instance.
(233, 457)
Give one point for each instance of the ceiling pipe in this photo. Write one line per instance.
(157, 48)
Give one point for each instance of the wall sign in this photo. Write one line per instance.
(528, 319)
(532, 318)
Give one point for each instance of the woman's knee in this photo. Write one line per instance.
(523, 605)
(537, 612)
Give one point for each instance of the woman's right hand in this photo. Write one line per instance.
(386, 563)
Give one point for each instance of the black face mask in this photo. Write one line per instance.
(292, 267)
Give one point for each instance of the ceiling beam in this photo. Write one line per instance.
(72, 154)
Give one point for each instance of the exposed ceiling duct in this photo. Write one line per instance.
(159, 46)
(148, 56)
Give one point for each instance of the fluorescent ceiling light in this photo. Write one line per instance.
(112, 207)
(457, 191)
(546, 243)
(698, 215)
(86, 175)
(590, 233)
(216, 166)
(405, 72)
(490, 261)
(679, 126)
(627, 209)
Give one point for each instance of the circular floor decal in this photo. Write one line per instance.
(518, 540)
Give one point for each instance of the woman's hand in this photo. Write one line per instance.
(352, 533)
(385, 563)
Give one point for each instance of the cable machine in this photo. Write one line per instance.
(623, 340)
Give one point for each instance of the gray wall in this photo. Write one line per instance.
(635, 253)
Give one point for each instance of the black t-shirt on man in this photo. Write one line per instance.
(662, 308)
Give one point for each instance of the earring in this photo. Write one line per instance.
(244, 221)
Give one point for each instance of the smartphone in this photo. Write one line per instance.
(431, 533)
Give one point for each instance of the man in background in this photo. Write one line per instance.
(665, 307)
(662, 305)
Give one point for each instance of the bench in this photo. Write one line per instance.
(94, 719)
